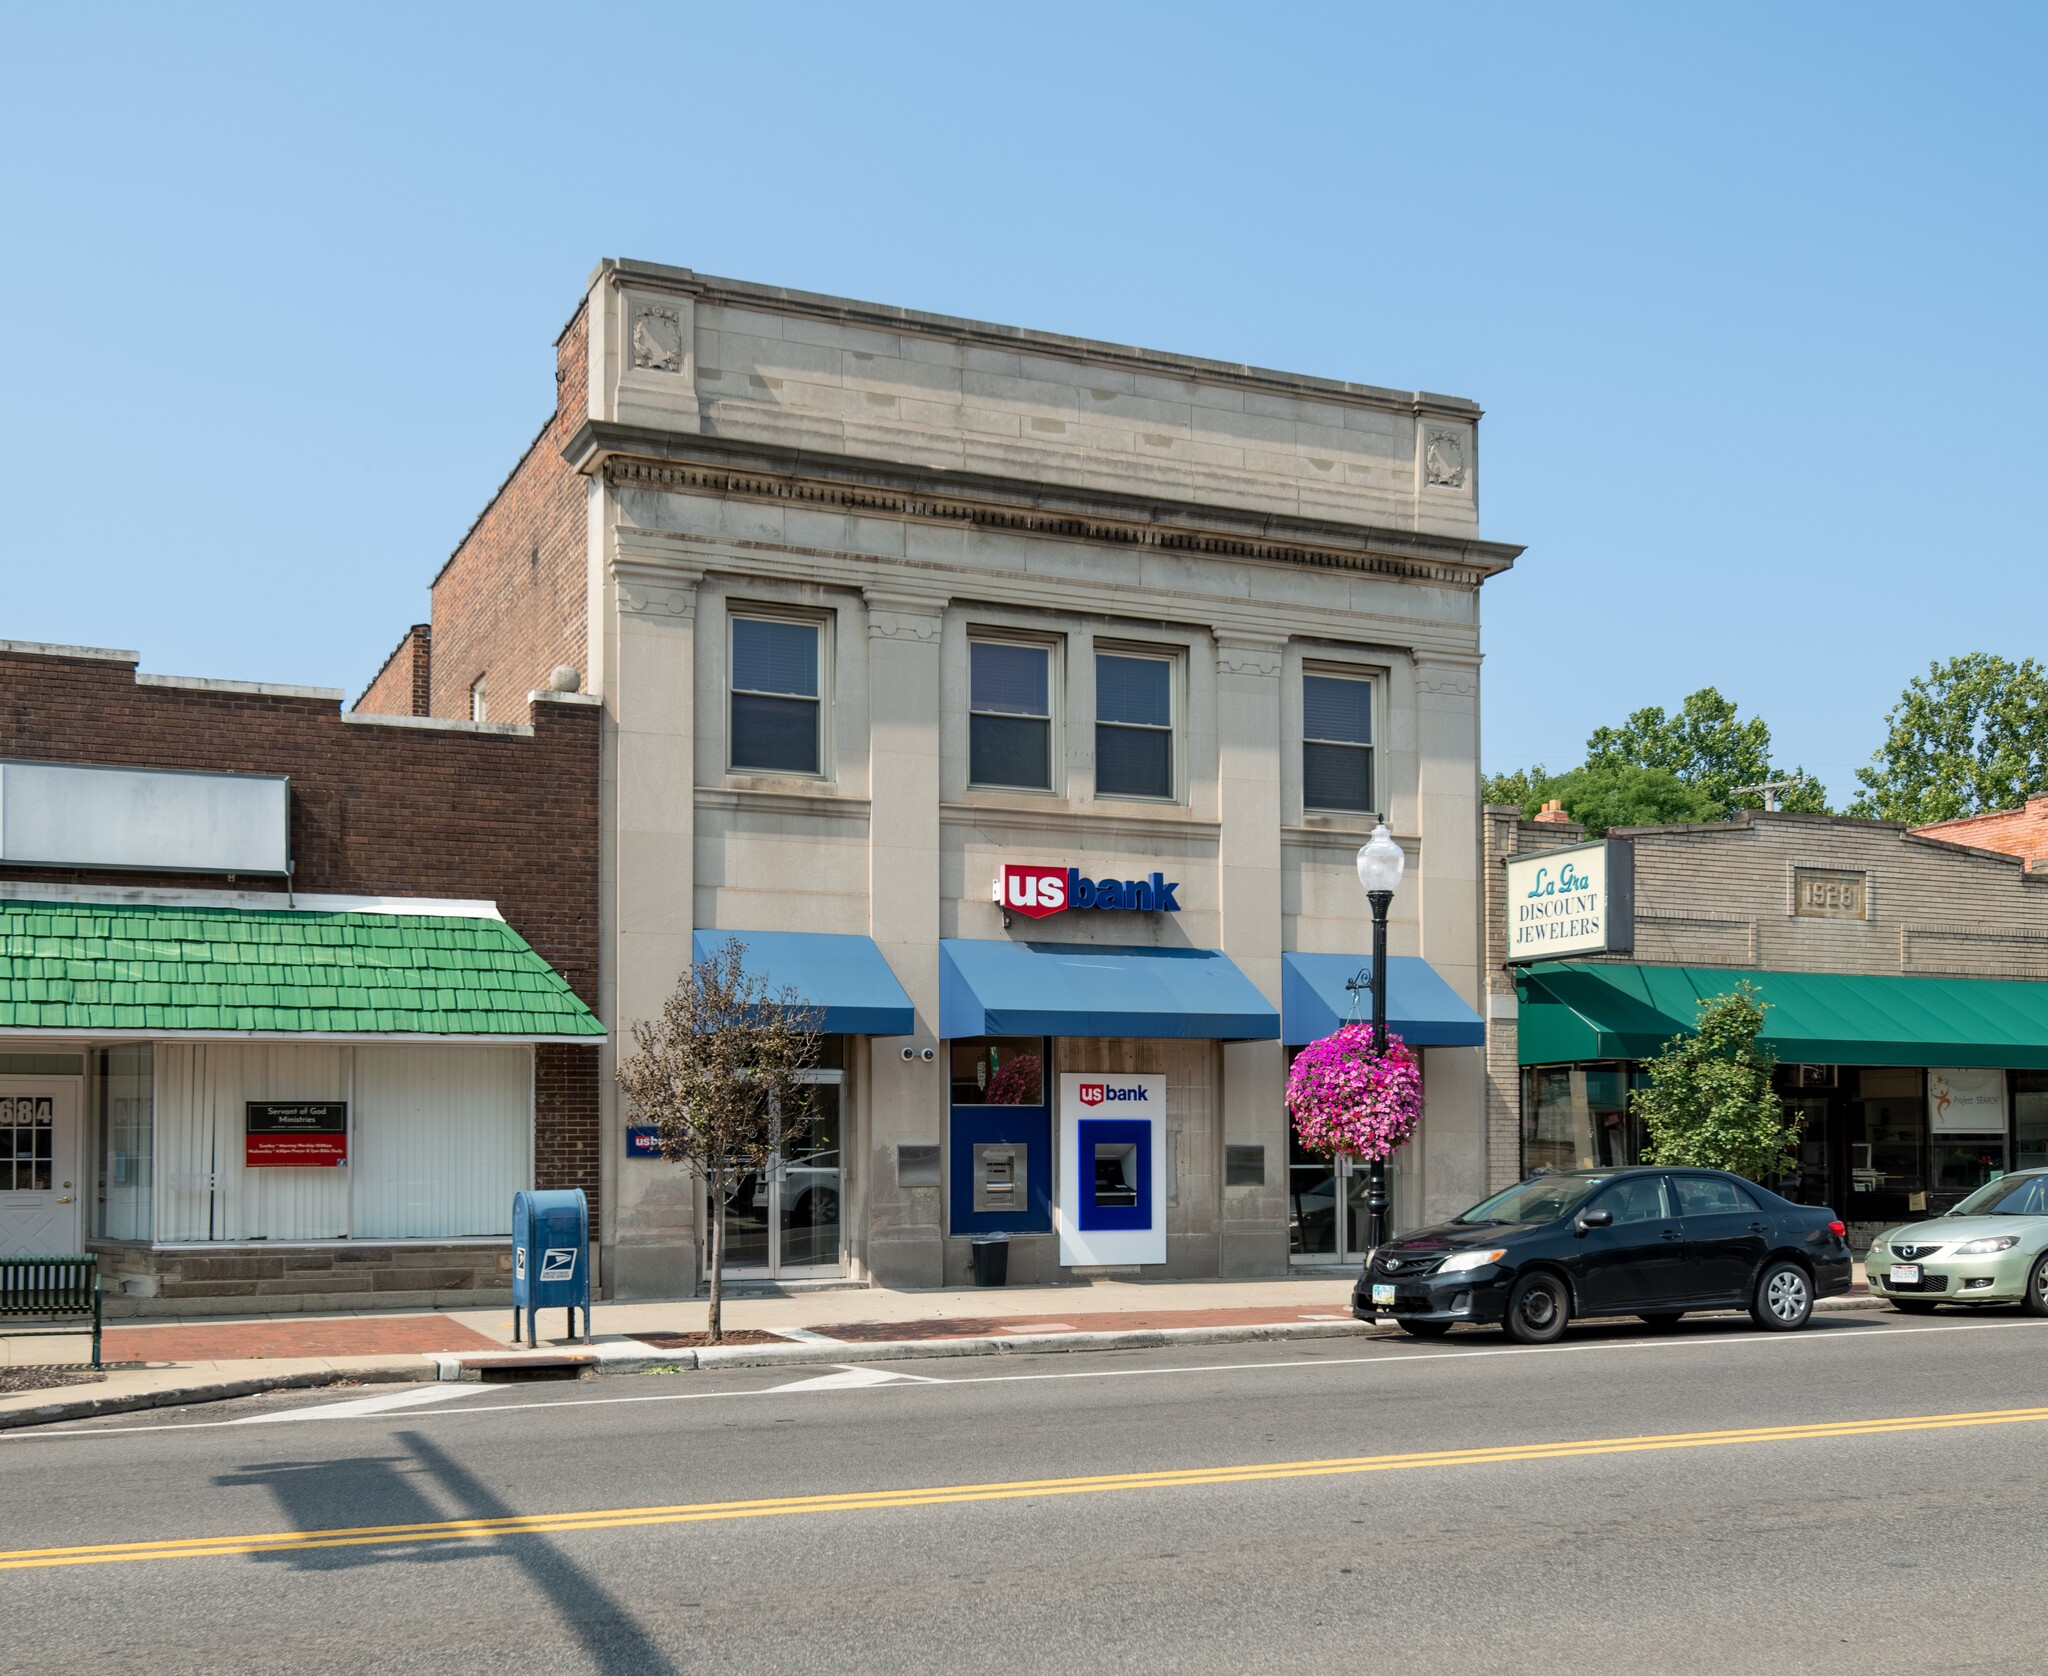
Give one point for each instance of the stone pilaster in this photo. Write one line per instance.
(906, 1097)
(1253, 1231)
(650, 811)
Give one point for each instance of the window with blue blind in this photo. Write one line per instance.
(1336, 744)
(1009, 715)
(776, 703)
(1133, 725)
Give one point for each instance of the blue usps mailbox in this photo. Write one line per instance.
(550, 1258)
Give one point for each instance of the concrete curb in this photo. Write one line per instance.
(222, 1390)
(615, 1358)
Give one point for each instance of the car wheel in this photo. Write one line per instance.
(2036, 1300)
(1913, 1306)
(1537, 1310)
(1783, 1299)
(1663, 1320)
(1426, 1329)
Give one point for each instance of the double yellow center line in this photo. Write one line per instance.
(869, 1501)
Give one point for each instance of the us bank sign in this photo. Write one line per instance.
(1576, 901)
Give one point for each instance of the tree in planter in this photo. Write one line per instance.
(719, 1075)
(1710, 1100)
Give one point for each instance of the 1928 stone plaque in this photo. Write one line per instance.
(1827, 893)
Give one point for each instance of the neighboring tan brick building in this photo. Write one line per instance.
(1904, 973)
(429, 904)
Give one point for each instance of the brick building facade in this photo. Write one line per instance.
(383, 808)
(1915, 955)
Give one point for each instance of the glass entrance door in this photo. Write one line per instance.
(785, 1220)
(1326, 1208)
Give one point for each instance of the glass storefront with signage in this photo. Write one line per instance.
(1881, 1144)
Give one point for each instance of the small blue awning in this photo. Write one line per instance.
(1422, 1009)
(845, 977)
(989, 988)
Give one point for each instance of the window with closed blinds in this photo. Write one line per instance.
(776, 695)
(1336, 744)
(1133, 726)
(1009, 722)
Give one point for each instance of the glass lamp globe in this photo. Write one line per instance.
(1380, 861)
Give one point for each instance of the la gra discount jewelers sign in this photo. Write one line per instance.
(1576, 901)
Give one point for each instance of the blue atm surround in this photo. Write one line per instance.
(1135, 1133)
(973, 1126)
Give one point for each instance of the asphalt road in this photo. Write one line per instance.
(1461, 1506)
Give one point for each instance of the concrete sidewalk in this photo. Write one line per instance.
(208, 1358)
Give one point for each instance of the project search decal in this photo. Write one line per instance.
(1035, 892)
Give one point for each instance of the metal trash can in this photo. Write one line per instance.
(991, 1259)
(550, 1258)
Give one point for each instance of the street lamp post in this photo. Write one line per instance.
(1380, 863)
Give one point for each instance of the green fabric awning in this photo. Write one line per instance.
(1571, 1011)
(73, 968)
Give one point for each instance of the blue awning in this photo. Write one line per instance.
(845, 977)
(1422, 1009)
(988, 988)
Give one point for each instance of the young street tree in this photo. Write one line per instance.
(1970, 735)
(719, 1076)
(1710, 1100)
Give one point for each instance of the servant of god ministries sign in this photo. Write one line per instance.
(1576, 901)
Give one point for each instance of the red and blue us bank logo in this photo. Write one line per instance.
(1033, 891)
(1101, 1093)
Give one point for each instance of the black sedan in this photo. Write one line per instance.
(1651, 1242)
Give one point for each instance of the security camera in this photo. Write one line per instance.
(929, 1056)
(909, 1053)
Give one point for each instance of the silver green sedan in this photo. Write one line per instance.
(1991, 1249)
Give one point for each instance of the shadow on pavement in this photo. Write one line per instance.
(383, 1490)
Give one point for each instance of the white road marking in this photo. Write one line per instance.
(853, 1377)
(1641, 1346)
(410, 1396)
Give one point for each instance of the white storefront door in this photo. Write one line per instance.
(40, 1183)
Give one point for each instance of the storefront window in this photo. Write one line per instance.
(998, 1071)
(127, 1137)
(1888, 1144)
(2029, 1120)
(1578, 1117)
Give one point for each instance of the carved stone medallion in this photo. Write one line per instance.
(1443, 460)
(658, 339)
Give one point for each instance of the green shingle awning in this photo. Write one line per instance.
(1597, 1011)
(147, 970)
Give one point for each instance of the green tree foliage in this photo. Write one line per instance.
(1710, 1100)
(1605, 794)
(1708, 747)
(1970, 735)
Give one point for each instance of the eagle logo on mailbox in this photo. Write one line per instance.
(558, 1263)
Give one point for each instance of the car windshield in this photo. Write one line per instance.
(2007, 1196)
(1541, 1199)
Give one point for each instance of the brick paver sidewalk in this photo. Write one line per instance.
(236, 1341)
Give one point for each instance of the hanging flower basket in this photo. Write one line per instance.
(1345, 1100)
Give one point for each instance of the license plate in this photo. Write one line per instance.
(1382, 1296)
(1905, 1274)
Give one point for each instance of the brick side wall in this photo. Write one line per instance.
(509, 605)
(2022, 832)
(404, 686)
(377, 809)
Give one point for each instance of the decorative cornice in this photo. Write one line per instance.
(637, 457)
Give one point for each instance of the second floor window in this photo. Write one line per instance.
(775, 695)
(1009, 721)
(1133, 726)
(479, 706)
(1336, 744)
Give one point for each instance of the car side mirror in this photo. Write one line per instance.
(1595, 1219)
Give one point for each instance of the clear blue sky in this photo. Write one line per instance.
(1752, 295)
